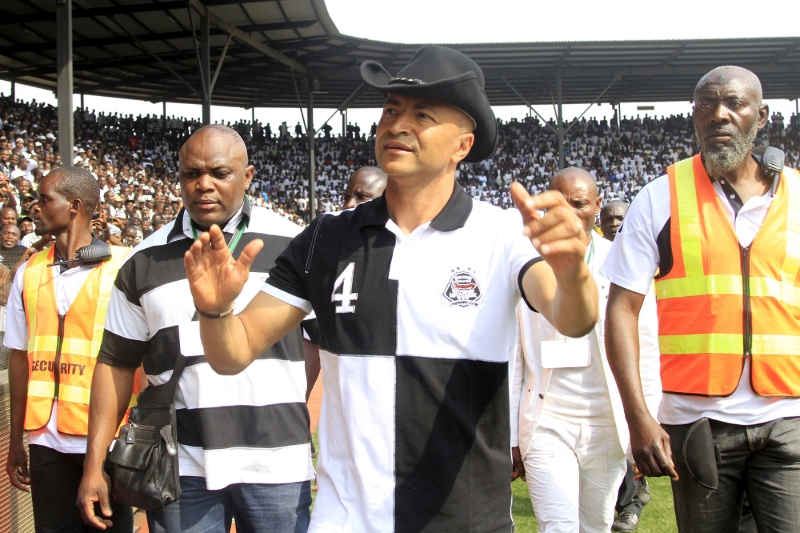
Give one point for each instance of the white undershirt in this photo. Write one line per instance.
(632, 263)
(579, 395)
(67, 286)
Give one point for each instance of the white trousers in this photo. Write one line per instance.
(573, 475)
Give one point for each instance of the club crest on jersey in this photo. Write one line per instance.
(463, 289)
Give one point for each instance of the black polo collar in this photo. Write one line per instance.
(177, 227)
(453, 215)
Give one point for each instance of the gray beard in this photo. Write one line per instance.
(720, 160)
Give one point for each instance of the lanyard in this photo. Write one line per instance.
(591, 253)
(236, 237)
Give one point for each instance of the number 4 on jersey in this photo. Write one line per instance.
(347, 296)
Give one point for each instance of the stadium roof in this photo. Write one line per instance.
(144, 49)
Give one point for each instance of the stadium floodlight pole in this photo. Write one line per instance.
(312, 178)
(66, 134)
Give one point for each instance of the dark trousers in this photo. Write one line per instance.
(761, 460)
(628, 496)
(55, 478)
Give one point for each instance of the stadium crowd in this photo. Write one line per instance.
(133, 164)
(135, 158)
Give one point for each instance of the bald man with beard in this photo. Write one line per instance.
(719, 233)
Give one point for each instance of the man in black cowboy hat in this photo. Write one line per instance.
(415, 293)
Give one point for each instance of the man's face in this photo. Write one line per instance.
(146, 224)
(5, 156)
(727, 116)
(611, 217)
(213, 175)
(25, 227)
(582, 197)
(129, 237)
(419, 137)
(52, 212)
(24, 187)
(362, 187)
(8, 215)
(26, 204)
(9, 236)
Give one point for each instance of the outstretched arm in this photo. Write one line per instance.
(561, 287)
(232, 342)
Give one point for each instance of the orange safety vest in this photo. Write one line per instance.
(721, 302)
(62, 350)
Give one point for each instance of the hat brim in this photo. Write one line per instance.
(461, 91)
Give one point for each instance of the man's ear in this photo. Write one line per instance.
(248, 175)
(465, 142)
(763, 115)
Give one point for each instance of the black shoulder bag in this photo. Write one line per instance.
(145, 455)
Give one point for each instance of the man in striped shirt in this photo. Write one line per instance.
(244, 447)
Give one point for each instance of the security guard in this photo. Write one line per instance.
(56, 314)
(723, 231)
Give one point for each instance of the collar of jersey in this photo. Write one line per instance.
(178, 226)
(453, 215)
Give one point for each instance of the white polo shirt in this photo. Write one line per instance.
(633, 261)
(415, 429)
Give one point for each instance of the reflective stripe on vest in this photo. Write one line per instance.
(61, 357)
(703, 301)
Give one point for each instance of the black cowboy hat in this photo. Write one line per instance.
(444, 74)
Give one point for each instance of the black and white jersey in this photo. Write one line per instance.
(247, 428)
(414, 430)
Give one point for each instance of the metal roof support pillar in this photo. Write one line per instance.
(312, 172)
(344, 123)
(205, 68)
(66, 134)
(164, 110)
(560, 119)
(82, 106)
(13, 91)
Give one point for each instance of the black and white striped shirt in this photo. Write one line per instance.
(414, 429)
(247, 428)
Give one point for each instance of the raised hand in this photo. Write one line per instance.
(215, 277)
(558, 235)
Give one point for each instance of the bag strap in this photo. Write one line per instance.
(153, 395)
